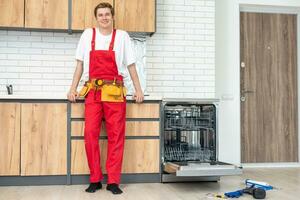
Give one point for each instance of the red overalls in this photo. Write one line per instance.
(103, 66)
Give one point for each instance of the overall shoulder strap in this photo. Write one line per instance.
(111, 45)
(93, 39)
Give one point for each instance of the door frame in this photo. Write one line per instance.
(281, 10)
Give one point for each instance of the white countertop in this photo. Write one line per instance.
(58, 97)
(63, 96)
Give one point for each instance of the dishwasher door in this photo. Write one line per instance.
(193, 169)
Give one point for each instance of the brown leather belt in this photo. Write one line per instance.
(100, 82)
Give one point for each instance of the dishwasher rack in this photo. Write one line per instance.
(189, 133)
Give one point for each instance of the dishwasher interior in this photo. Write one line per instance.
(189, 143)
(189, 133)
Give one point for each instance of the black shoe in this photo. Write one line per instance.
(93, 187)
(114, 188)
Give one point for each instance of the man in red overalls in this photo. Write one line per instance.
(105, 51)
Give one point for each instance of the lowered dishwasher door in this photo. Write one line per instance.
(201, 169)
(189, 150)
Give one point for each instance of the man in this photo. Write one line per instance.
(105, 52)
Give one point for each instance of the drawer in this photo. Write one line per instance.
(143, 110)
(77, 128)
(133, 110)
(77, 110)
(133, 128)
(140, 156)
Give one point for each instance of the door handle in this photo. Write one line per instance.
(247, 91)
(243, 92)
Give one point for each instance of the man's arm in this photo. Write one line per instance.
(138, 95)
(73, 94)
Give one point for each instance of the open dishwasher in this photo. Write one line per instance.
(189, 143)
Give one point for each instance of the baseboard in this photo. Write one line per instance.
(269, 165)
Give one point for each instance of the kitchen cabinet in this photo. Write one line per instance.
(33, 139)
(47, 14)
(130, 15)
(141, 151)
(44, 138)
(43, 141)
(12, 13)
(135, 15)
(10, 139)
(83, 13)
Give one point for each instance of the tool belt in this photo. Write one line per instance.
(111, 90)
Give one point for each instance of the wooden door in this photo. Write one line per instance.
(44, 139)
(135, 15)
(269, 131)
(83, 13)
(12, 13)
(52, 14)
(9, 139)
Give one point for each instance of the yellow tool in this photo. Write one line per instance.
(216, 196)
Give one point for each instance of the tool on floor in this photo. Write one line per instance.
(255, 188)
(257, 193)
(234, 194)
(216, 196)
(258, 184)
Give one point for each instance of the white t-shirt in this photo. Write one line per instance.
(122, 47)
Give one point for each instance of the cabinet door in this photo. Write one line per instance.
(52, 14)
(83, 13)
(12, 13)
(10, 139)
(44, 139)
(140, 156)
(135, 15)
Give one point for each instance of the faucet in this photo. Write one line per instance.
(9, 89)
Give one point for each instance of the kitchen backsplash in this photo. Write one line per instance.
(177, 61)
(44, 62)
(37, 62)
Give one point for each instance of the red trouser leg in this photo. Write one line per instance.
(115, 115)
(93, 119)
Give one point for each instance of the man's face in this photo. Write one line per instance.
(104, 18)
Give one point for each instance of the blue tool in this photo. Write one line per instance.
(234, 194)
(258, 184)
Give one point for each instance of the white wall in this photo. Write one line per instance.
(43, 63)
(181, 54)
(228, 73)
(180, 59)
(36, 62)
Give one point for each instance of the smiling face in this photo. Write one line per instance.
(104, 18)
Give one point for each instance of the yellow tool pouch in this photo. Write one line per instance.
(85, 89)
(110, 91)
(113, 92)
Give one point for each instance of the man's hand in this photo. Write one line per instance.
(73, 95)
(138, 96)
